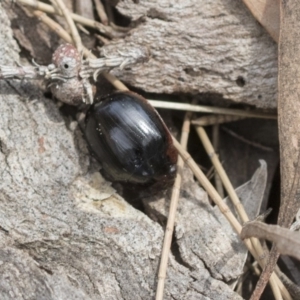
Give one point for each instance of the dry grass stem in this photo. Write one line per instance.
(209, 188)
(172, 211)
(210, 173)
(59, 30)
(219, 168)
(210, 120)
(53, 25)
(66, 13)
(82, 29)
(77, 18)
(218, 182)
(254, 266)
(101, 12)
(235, 200)
(211, 109)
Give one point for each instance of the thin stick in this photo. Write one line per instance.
(66, 13)
(226, 212)
(101, 12)
(233, 196)
(210, 109)
(209, 189)
(77, 18)
(218, 182)
(53, 25)
(210, 173)
(172, 211)
(82, 29)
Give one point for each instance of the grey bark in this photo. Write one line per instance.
(214, 47)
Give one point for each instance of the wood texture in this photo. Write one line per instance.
(214, 47)
(64, 232)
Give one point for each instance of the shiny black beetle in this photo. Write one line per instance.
(130, 140)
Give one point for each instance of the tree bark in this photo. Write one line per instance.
(212, 47)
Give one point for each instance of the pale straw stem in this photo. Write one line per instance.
(101, 12)
(74, 32)
(77, 18)
(172, 212)
(210, 109)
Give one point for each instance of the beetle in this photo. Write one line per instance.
(130, 140)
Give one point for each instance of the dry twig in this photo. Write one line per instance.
(77, 18)
(66, 13)
(218, 182)
(172, 211)
(210, 109)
